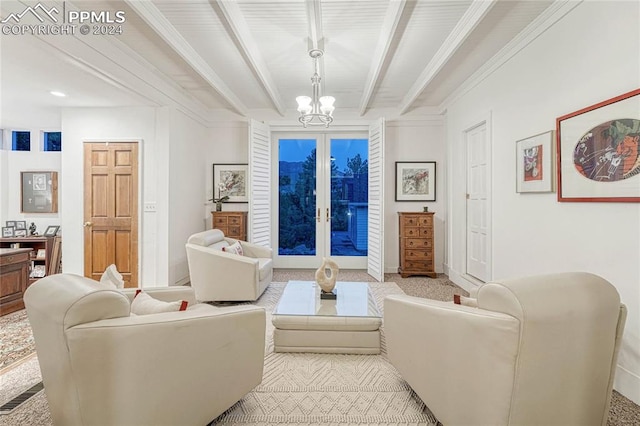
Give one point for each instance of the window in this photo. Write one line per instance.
(52, 141)
(21, 141)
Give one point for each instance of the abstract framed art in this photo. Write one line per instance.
(231, 180)
(415, 181)
(597, 154)
(534, 163)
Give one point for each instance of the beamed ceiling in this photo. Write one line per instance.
(249, 58)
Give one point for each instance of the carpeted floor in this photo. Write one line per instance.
(19, 370)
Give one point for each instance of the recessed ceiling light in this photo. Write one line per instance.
(55, 93)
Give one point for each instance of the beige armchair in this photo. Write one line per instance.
(218, 276)
(102, 366)
(535, 351)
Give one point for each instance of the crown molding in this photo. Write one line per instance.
(542, 23)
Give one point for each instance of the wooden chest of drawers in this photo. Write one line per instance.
(233, 224)
(416, 244)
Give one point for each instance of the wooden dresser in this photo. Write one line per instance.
(416, 244)
(14, 278)
(233, 224)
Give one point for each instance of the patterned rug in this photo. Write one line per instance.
(306, 389)
(16, 338)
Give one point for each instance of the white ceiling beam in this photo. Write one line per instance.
(388, 33)
(316, 34)
(465, 26)
(314, 15)
(232, 15)
(161, 25)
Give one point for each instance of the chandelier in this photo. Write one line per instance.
(315, 110)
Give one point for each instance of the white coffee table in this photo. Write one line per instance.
(348, 325)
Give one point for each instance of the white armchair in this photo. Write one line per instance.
(535, 351)
(102, 366)
(218, 276)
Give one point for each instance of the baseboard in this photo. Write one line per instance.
(182, 281)
(462, 280)
(628, 384)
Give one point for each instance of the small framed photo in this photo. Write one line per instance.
(415, 181)
(11, 224)
(231, 180)
(20, 233)
(21, 224)
(534, 163)
(8, 231)
(42, 253)
(51, 231)
(38, 271)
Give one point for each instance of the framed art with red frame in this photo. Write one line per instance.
(598, 157)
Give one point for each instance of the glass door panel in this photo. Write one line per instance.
(321, 201)
(349, 197)
(297, 208)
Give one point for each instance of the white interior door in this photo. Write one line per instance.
(477, 203)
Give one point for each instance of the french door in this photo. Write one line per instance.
(321, 207)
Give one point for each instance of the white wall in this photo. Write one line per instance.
(150, 127)
(14, 162)
(187, 189)
(414, 141)
(590, 55)
(226, 143)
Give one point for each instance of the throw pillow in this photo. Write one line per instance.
(234, 248)
(143, 304)
(111, 276)
(466, 301)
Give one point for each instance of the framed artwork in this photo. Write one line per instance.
(11, 223)
(20, 233)
(8, 231)
(415, 181)
(51, 231)
(534, 163)
(39, 192)
(231, 180)
(21, 224)
(598, 157)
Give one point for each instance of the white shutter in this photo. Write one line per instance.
(375, 257)
(259, 184)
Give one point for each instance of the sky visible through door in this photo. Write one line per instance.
(298, 214)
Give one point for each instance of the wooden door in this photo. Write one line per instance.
(111, 209)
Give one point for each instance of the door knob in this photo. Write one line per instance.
(87, 224)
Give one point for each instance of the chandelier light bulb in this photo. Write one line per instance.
(304, 104)
(326, 104)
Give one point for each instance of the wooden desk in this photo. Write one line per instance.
(14, 278)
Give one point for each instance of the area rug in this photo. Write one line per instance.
(297, 389)
(16, 338)
(306, 389)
